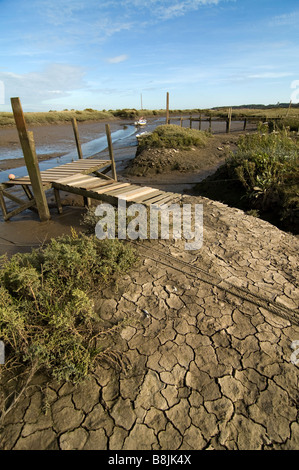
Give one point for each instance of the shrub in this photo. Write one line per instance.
(47, 317)
(267, 166)
(172, 136)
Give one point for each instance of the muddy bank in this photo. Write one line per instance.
(51, 141)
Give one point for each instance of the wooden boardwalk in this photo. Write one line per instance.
(86, 178)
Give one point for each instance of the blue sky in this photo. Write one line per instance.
(106, 54)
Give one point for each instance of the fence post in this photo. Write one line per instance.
(245, 124)
(181, 121)
(210, 123)
(167, 108)
(199, 123)
(190, 121)
(108, 133)
(78, 144)
(31, 161)
(229, 120)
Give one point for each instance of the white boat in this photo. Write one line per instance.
(142, 134)
(141, 122)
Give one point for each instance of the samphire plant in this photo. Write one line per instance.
(48, 321)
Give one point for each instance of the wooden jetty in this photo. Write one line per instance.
(86, 177)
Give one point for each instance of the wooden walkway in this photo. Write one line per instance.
(86, 178)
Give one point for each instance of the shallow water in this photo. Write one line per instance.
(124, 137)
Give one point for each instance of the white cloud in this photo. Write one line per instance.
(287, 19)
(169, 9)
(55, 80)
(118, 59)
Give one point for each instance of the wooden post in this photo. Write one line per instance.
(199, 123)
(181, 121)
(191, 121)
(229, 120)
(28, 147)
(167, 108)
(245, 124)
(108, 133)
(77, 138)
(210, 123)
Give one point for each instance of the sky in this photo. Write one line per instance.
(116, 54)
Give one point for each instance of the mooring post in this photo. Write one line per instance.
(229, 120)
(109, 140)
(28, 148)
(210, 123)
(77, 138)
(167, 108)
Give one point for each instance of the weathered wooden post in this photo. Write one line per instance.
(210, 123)
(245, 124)
(77, 138)
(113, 168)
(199, 123)
(289, 108)
(190, 121)
(28, 148)
(181, 121)
(167, 108)
(229, 120)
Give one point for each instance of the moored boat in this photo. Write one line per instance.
(141, 122)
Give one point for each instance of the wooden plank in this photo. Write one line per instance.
(116, 192)
(3, 206)
(77, 138)
(80, 182)
(27, 191)
(162, 202)
(97, 183)
(146, 197)
(141, 192)
(60, 172)
(111, 188)
(108, 133)
(21, 181)
(67, 179)
(158, 198)
(58, 200)
(13, 198)
(22, 208)
(28, 147)
(76, 178)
